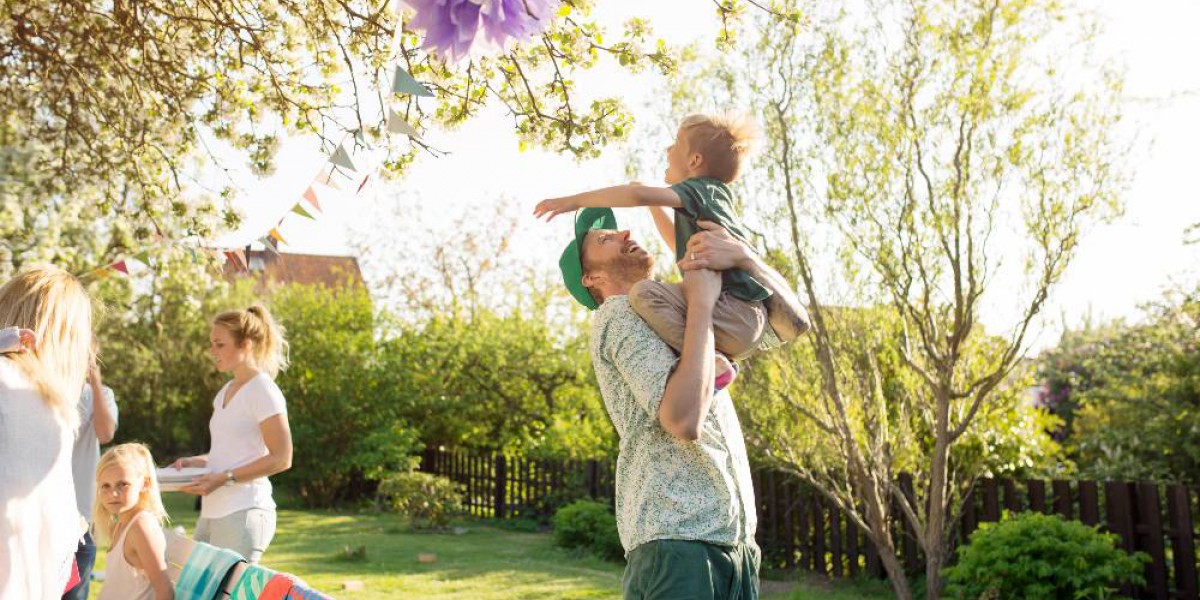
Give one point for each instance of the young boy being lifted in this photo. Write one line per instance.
(705, 158)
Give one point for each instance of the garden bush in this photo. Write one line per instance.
(1035, 556)
(342, 402)
(428, 501)
(588, 525)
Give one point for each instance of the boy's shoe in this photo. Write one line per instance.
(724, 379)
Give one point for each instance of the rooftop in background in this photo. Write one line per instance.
(273, 268)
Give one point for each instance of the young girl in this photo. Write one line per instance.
(129, 516)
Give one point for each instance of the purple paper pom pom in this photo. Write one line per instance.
(453, 28)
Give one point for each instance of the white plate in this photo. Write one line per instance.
(173, 486)
(172, 475)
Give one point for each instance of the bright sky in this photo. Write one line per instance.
(1119, 266)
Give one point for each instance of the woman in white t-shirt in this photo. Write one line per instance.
(251, 439)
(40, 379)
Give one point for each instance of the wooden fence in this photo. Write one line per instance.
(499, 486)
(799, 528)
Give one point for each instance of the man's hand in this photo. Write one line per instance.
(555, 206)
(714, 248)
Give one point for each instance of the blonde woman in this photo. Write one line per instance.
(250, 436)
(128, 516)
(40, 526)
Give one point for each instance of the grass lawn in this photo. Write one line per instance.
(482, 563)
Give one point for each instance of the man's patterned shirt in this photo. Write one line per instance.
(667, 488)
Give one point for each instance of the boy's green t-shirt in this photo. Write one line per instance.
(711, 200)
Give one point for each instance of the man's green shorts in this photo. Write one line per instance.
(691, 570)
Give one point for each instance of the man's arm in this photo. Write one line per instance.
(715, 248)
(689, 392)
(617, 196)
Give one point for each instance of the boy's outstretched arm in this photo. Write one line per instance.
(715, 248)
(665, 224)
(617, 196)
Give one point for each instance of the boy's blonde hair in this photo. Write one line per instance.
(136, 458)
(255, 324)
(53, 304)
(725, 140)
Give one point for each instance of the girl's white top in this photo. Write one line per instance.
(237, 440)
(40, 526)
(123, 581)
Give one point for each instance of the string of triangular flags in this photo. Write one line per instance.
(340, 164)
(451, 44)
(340, 160)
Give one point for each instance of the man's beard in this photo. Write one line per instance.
(630, 268)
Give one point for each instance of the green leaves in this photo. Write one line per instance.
(588, 525)
(428, 501)
(1130, 393)
(492, 382)
(118, 107)
(1042, 557)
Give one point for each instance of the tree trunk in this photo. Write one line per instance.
(933, 573)
(876, 517)
(896, 575)
(882, 540)
(936, 511)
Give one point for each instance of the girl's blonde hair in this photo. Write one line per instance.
(57, 308)
(255, 324)
(136, 458)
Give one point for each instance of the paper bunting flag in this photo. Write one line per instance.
(360, 139)
(403, 83)
(274, 234)
(311, 195)
(235, 257)
(269, 243)
(341, 158)
(143, 257)
(363, 184)
(397, 124)
(325, 179)
(299, 209)
(120, 266)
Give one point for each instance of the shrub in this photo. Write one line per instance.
(588, 525)
(341, 405)
(1034, 556)
(428, 501)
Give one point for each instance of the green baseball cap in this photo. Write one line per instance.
(571, 262)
